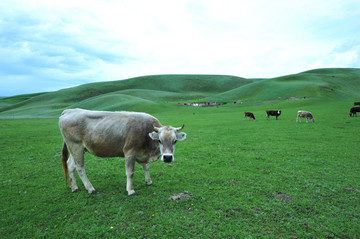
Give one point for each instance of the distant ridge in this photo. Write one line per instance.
(161, 92)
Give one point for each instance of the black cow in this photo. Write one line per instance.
(249, 114)
(276, 113)
(356, 103)
(353, 111)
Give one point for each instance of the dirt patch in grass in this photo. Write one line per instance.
(181, 196)
(281, 196)
(351, 190)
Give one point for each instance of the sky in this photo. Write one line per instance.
(50, 45)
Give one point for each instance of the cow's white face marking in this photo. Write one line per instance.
(167, 137)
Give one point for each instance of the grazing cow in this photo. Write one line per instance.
(276, 113)
(249, 114)
(353, 111)
(138, 137)
(356, 103)
(304, 114)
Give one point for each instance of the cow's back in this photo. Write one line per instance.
(355, 109)
(105, 134)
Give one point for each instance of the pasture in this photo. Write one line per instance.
(247, 179)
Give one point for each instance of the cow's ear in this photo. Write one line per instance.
(154, 136)
(180, 136)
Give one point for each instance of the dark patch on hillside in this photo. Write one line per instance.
(326, 88)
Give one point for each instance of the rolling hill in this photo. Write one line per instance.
(161, 92)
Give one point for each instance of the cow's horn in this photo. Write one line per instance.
(156, 129)
(180, 128)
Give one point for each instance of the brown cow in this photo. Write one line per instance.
(138, 137)
(304, 114)
(249, 114)
(276, 113)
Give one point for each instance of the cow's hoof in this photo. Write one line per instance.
(75, 191)
(149, 184)
(94, 192)
(132, 195)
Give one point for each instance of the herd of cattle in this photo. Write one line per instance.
(301, 113)
(139, 137)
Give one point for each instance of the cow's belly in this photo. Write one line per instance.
(104, 150)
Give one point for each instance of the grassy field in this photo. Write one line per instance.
(248, 179)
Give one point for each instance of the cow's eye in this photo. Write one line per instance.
(159, 141)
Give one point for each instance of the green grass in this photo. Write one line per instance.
(250, 179)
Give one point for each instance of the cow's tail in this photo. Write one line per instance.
(64, 158)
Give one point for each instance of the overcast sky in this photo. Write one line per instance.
(49, 45)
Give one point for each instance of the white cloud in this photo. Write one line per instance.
(66, 43)
(345, 55)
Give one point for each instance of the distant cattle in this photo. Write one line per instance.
(202, 104)
(249, 114)
(276, 113)
(353, 111)
(138, 137)
(356, 103)
(304, 114)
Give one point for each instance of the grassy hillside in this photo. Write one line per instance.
(160, 92)
(148, 93)
(337, 84)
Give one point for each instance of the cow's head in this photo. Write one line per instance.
(167, 136)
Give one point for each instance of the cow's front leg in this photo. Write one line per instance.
(147, 174)
(130, 165)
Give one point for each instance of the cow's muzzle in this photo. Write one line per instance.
(167, 158)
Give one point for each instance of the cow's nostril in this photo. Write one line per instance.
(167, 158)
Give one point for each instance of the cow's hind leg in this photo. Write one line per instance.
(71, 166)
(77, 152)
(147, 174)
(89, 187)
